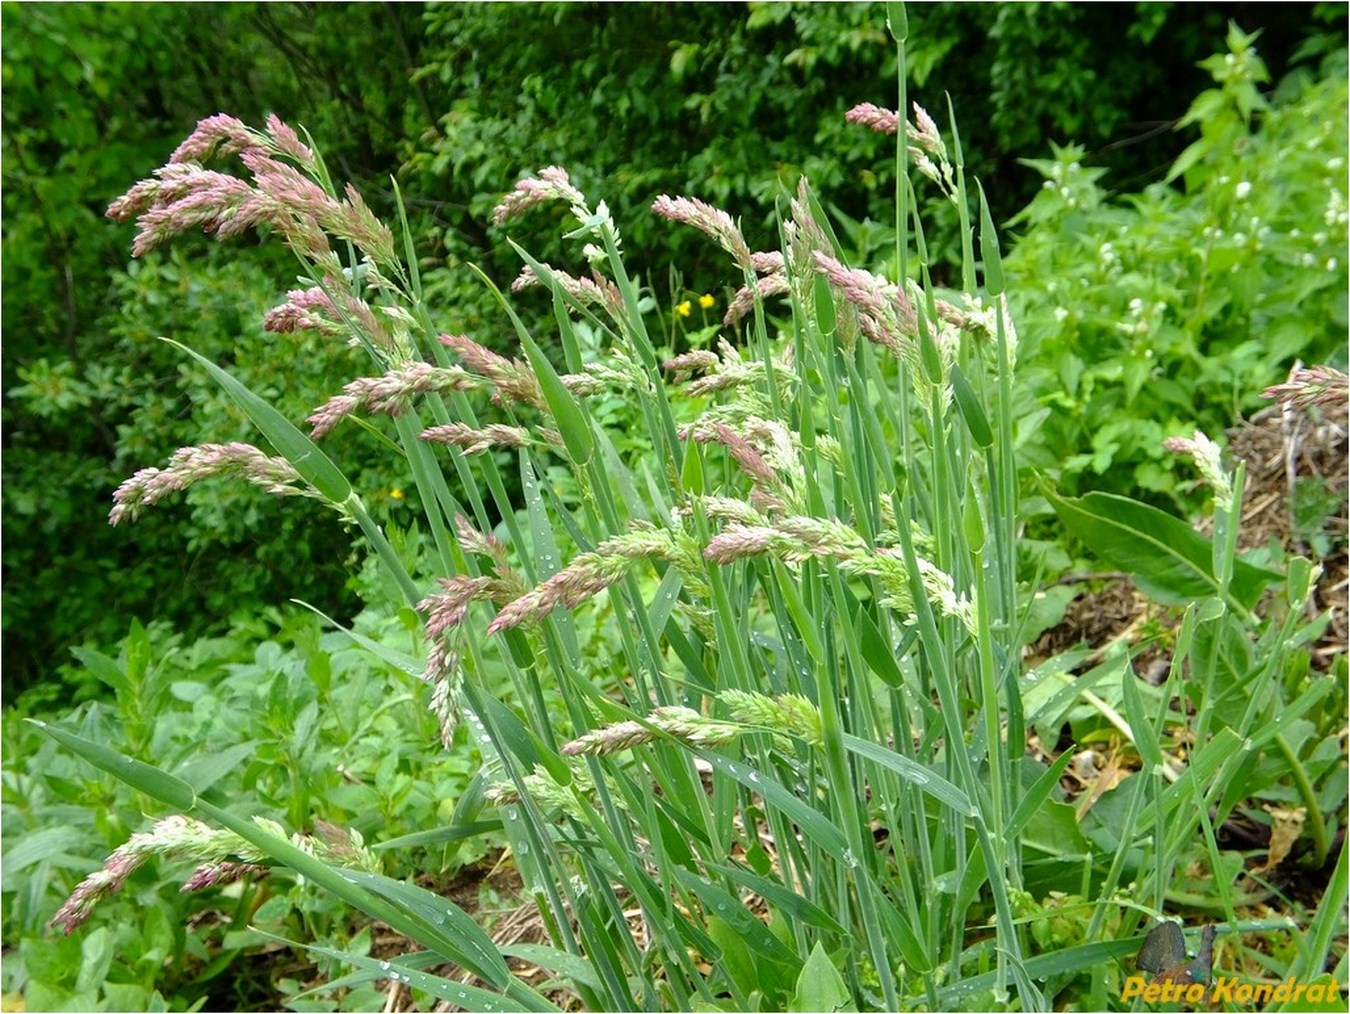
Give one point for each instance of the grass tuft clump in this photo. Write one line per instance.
(743, 661)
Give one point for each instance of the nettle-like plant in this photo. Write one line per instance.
(750, 703)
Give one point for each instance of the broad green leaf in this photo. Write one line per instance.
(691, 472)
(573, 966)
(315, 467)
(458, 934)
(971, 409)
(791, 903)
(35, 847)
(813, 824)
(566, 410)
(878, 655)
(459, 994)
(820, 987)
(737, 958)
(730, 909)
(106, 668)
(96, 956)
(1037, 794)
(204, 771)
(1170, 561)
(927, 781)
(396, 659)
(562, 405)
(1071, 960)
(1055, 832)
(140, 776)
(825, 311)
(993, 261)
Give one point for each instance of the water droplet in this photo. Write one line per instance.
(754, 777)
(440, 919)
(918, 778)
(524, 849)
(461, 994)
(485, 738)
(384, 966)
(731, 769)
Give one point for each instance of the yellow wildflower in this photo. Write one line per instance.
(396, 494)
(706, 301)
(685, 309)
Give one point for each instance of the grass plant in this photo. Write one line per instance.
(749, 693)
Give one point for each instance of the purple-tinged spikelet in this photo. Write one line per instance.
(392, 394)
(707, 219)
(192, 464)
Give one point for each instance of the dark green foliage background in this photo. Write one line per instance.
(719, 101)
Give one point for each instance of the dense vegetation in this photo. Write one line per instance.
(766, 542)
(719, 100)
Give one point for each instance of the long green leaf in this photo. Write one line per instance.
(726, 906)
(927, 781)
(315, 467)
(432, 921)
(1170, 561)
(800, 909)
(165, 787)
(813, 824)
(399, 660)
(1083, 958)
(461, 995)
(455, 931)
(1036, 795)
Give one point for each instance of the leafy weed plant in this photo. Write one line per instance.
(1174, 308)
(299, 723)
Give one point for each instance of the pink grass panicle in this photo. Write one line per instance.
(709, 220)
(182, 195)
(682, 723)
(476, 441)
(1310, 386)
(391, 394)
(192, 464)
(592, 572)
(742, 451)
(721, 371)
(885, 313)
(471, 540)
(313, 309)
(549, 184)
(874, 117)
(220, 874)
(923, 139)
(1208, 458)
(225, 135)
(594, 291)
(176, 836)
(218, 135)
(512, 380)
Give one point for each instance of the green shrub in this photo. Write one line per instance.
(94, 93)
